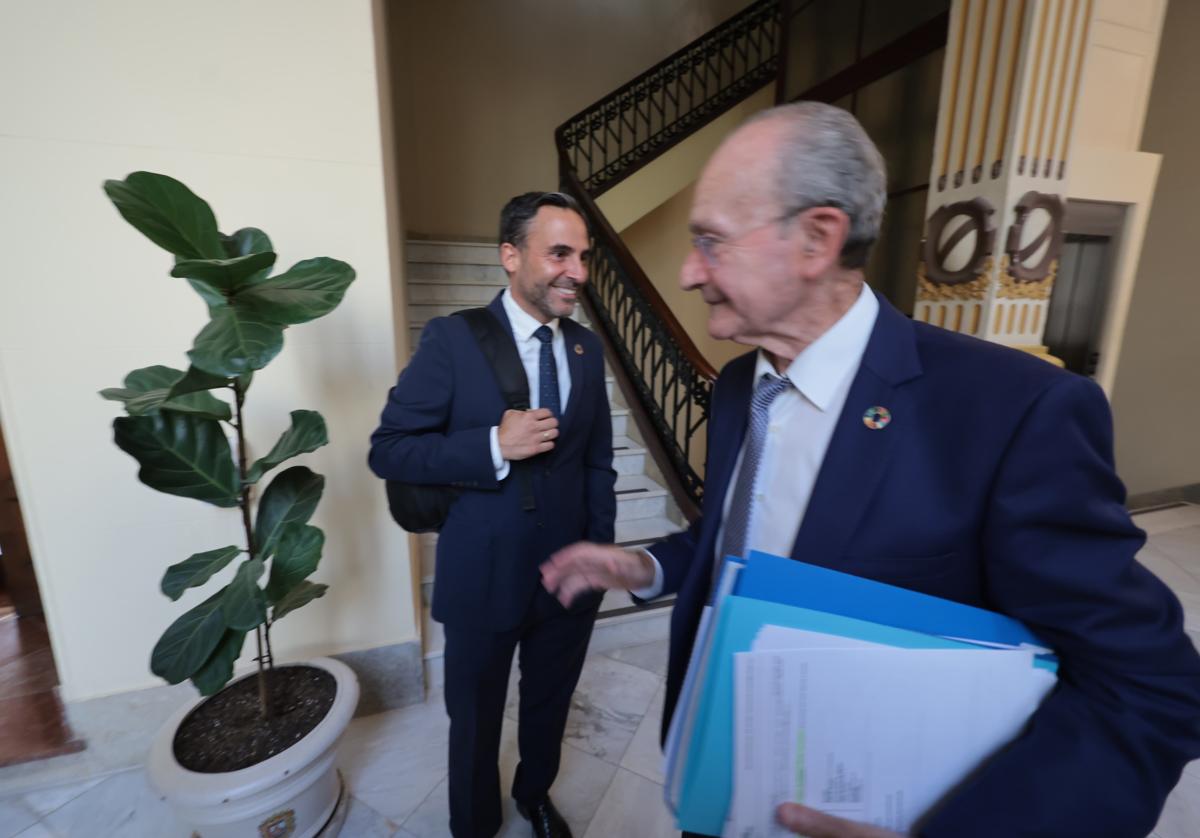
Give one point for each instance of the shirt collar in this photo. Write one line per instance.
(825, 363)
(523, 323)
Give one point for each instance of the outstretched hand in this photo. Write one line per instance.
(813, 824)
(584, 567)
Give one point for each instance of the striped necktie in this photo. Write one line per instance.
(741, 506)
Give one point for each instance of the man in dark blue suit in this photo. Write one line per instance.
(857, 439)
(446, 423)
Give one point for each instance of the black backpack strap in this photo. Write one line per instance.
(501, 351)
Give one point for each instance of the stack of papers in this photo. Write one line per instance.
(857, 698)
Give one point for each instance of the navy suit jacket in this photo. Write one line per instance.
(435, 430)
(994, 486)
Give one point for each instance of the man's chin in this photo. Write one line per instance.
(721, 329)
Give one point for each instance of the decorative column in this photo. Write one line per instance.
(993, 229)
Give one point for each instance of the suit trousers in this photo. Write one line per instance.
(553, 643)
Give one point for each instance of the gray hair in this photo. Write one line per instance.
(827, 159)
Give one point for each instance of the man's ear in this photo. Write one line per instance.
(825, 232)
(510, 258)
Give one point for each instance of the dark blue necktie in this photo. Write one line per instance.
(547, 372)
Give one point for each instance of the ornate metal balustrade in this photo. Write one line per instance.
(616, 136)
(672, 380)
(606, 143)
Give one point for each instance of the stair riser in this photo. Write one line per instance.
(475, 274)
(485, 254)
(629, 463)
(632, 507)
(620, 424)
(435, 293)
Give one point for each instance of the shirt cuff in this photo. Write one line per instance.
(654, 588)
(500, 464)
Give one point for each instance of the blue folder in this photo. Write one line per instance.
(777, 579)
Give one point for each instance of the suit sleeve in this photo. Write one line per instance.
(1101, 754)
(599, 475)
(413, 442)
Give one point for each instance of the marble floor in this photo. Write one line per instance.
(610, 782)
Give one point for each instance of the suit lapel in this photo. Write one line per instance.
(858, 455)
(727, 417)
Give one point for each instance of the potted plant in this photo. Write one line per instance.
(254, 758)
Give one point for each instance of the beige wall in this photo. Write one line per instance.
(1157, 389)
(481, 87)
(269, 111)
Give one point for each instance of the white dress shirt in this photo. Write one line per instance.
(530, 349)
(801, 423)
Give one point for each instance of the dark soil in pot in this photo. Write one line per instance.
(227, 732)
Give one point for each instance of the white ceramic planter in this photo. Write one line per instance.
(290, 795)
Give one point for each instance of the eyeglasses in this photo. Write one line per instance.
(709, 245)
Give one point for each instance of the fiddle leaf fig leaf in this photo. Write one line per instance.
(306, 434)
(195, 570)
(150, 389)
(244, 605)
(235, 341)
(246, 241)
(188, 642)
(301, 595)
(195, 380)
(308, 290)
(290, 498)
(168, 213)
(216, 672)
(224, 275)
(296, 556)
(181, 455)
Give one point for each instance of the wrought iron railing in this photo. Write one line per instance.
(672, 381)
(616, 136)
(602, 146)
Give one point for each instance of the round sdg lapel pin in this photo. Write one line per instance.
(877, 418)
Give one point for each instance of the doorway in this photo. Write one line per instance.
(32, 723)
(1079, 301)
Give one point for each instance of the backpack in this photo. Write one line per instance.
(422, 508)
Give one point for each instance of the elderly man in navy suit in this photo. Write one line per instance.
(446, 423)
(857, 439)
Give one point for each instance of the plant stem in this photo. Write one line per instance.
(264, 693)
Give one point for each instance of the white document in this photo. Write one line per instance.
(874, 734)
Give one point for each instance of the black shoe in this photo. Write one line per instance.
(547, 822)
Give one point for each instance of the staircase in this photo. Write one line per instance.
(444, 277)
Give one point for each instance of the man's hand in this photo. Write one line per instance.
(526, 433)
(584, 567)
(813, 824)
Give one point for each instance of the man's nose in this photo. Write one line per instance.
(577, 270)
(694, 272)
